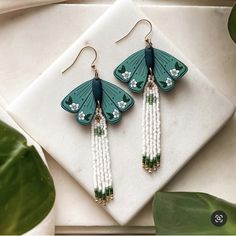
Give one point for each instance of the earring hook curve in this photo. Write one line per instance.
(92, 64)
(148, 40)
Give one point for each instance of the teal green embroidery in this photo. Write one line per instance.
(150, 99)
(122, 70)
(178, 67)
(139, 84)
(87, 117)
(164, 84)
(125, 99)
(111, 116)
(69, 101)
(98, 131)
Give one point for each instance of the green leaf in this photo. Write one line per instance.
(122, 70)
(26, 186)
(111, 116)
(139, 84)
(125, 99)
(87, 116)
(69, 101)
(232, 23)
(164, 84)
(177, 66)
(190, 213)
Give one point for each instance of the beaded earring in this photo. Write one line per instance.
(96, 102)
(145, 71)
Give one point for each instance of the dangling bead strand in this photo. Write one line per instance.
(158, 131)
(109, 189)
(151, 126)
(101, 159)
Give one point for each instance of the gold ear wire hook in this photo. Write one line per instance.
(146, 37)
(92, 64)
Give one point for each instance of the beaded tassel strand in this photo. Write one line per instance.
(101, 160)
(151, 126)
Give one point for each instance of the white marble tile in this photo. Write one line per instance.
(194, 102)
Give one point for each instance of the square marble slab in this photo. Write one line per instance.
(190, 114)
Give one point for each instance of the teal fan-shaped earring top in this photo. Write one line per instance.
(84, 99)
(149, 61)
(135, 69)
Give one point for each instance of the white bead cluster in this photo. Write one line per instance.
(151, 126)
(101, 159)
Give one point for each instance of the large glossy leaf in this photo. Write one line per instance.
(192, 213)
(232, 23)
(27, 192)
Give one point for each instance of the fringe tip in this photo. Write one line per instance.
(151, 126)
(101, 160)
(104, 198)
(151, 166)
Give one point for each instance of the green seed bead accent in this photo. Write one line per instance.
(147, 161)
(104, 196)
(107, 191)
(144, 159)
(98, 131)
(155, 161)
(150, 99)
(151, 164)
(96, 193)
(110, 190)
(100, 194)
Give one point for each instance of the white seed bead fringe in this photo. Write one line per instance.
(151, 126)
(102, 176)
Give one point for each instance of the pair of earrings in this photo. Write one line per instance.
(97, 101)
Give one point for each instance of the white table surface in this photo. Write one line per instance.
(209, 37)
